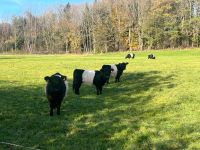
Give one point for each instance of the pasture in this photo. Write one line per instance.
(155, 106)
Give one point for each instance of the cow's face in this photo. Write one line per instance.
(106, 69)
(123, 65)
(55, 82)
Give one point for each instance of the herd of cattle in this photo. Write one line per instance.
(131, 55)
(57, 86)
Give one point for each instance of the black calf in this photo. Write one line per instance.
(55, 91)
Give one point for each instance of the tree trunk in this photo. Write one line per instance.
(140, 39)
(129, 39)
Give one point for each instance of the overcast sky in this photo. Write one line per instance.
(9, 8)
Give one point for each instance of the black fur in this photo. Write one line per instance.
(129, 56)
(77, 80)
(107, 70)
(99, 81)
(55, 91)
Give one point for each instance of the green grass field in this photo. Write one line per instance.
(155, 106)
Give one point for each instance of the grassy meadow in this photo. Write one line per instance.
(155, 106)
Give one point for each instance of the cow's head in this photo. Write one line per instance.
(106, 69)
(55, 82)
(122, 66)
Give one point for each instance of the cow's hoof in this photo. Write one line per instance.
(77, 93)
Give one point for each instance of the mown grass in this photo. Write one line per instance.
(155, 106)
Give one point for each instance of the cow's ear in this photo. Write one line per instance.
(47, 78)
(126, 63)
(64, 78)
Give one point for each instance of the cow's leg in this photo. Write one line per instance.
(108, 81)
(51, 110)
(58, 109)
(117, 78)
(50, 105)
(77, 87)
(98, 90)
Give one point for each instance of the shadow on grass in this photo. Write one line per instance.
(10, 57)
(87, 121)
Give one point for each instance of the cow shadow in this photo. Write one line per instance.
(87, 121)
(104, 115)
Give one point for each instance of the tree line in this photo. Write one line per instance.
(105, 26)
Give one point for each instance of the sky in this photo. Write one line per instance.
(9, 8)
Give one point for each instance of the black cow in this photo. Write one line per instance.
(130, 55)
(56, 90)
(151, 56)
(91, 77)
(118, 70)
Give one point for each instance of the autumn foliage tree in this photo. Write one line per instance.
(105, 26)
